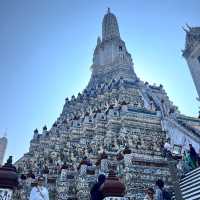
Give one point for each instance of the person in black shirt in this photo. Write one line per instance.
(95, 190)
(193, 155)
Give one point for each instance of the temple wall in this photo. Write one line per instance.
(179, 136)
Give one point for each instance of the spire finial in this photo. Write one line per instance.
(110, 27)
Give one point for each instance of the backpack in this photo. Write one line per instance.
(166, 195)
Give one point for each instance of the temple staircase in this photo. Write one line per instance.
(190, 185)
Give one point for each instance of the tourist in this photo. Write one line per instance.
(161, 192)
(159, 188)
(193, 155)
(149, 194)
(64, 169)
(187, 163)
(82, 167)
(104, 163)
(39, 192)
(198, 158)
(95, 191)
(180, 168)
(167, 149)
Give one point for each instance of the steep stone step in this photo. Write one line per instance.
(196, 176)
(192, 173)
(190, 185)
(192, 195)
(197, 197)
(191, 190)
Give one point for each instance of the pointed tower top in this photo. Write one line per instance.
(5, 133)
(110, 27)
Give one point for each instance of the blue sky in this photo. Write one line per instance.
(46, 52)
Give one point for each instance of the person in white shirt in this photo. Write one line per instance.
(39, 192)
(167, 149)
(167, 146)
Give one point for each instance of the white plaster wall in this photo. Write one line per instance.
(178, 136)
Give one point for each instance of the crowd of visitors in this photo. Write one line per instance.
(160, 193)
(188, 159)
(95, 191)
(40, 192)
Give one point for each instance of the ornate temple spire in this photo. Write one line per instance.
(110, 27)
(111, 59)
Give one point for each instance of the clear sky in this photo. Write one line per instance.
(46, 52)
